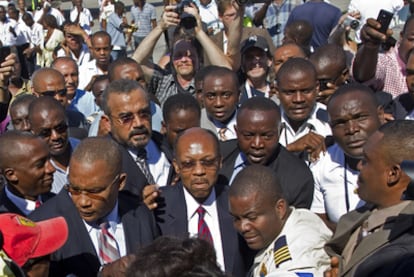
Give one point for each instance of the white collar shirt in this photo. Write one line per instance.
(7, 38)
(210, 217)
(312, 124)
(335, 185)
(116, 229)
(86, 72)
(158, 164)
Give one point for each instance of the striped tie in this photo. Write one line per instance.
(108, 250)
(142, 163)
(203, 230)
(222, 134)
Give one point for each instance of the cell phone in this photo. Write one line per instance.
(4, 52)
(384, 18)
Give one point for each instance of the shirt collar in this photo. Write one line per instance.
(192, 204)
(25, 205)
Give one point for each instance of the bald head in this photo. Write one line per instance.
(296, 66)
(89, 151)
(14, 145)
(256, 179)
(193, 135)
(42, 104)
(45, 76)
(58, 62)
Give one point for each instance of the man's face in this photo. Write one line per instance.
(297, 93)
(2, 14)
(77, 3)
(74, 42)
(255, 63)
(197, 163)
(180, 121)
(410, 73)
(130, 72)
(33, 169)
(228, 17)
(285, 52)
(21, 4)
(353, 118)
(258, 219)
(53, 86)
(20, 116)
(184, 59)
(373, 171)
(257, 134)
(94, 188)
(52, 127)
(101, 50)
(130, 118)
(98, 89)
(406, 42)
(220, 97)
(70, 72)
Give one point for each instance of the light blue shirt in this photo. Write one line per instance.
(115, 31)
(84, 102)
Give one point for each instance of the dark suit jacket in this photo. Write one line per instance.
(78, 255)
(378, 250)
(136, 180)
(7, 206)
(171, 217)
(295, 177)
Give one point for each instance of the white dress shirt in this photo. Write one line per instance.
(55, 12)
(7, 38)
(84, 56)
(86, 72)
(85, 18)
(116, 229)
(158, 164)
(210, 217)
(36, 34)
(312, 124)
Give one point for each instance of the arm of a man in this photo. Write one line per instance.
(366, 59)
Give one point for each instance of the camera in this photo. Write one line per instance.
(187, 20)
(351, 22)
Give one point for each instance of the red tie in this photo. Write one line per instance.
(38, 204)
(203, 230)
(108, 250)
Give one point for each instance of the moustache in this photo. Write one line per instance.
(140, 131)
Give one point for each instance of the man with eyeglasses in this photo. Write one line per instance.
(304, 125)
(27, 170)
(105, 225)
(79, 100)
(50, 82)
(126, 105)
(47, 120)
(198, 205)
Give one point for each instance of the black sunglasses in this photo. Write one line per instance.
(52, 93)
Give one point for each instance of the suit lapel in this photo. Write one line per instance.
(228, 234)
(176, 218)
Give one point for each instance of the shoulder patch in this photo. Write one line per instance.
(281, 251)
(322, 115)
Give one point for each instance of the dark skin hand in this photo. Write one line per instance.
(334, 270)
(312, 143)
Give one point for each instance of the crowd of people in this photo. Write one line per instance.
(270, 139)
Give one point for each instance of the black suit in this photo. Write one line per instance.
(7, 206)
(295, 177)
(78, 255)
(136, 180)
(171, 217)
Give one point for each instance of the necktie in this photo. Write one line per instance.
(203, 230)
(108, 249)
(38, 203)
(222, 134)
(141, 161)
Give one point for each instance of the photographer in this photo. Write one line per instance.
(185, 54)
(383, 71)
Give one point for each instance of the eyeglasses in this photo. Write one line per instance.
(92, 193)
(207, 164)
(60, 129)
(128, 118)
(53, 93)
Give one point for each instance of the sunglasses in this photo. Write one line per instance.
(60, 129)
(53, 93)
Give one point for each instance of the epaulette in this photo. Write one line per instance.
(281, 252)
(322, 115)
